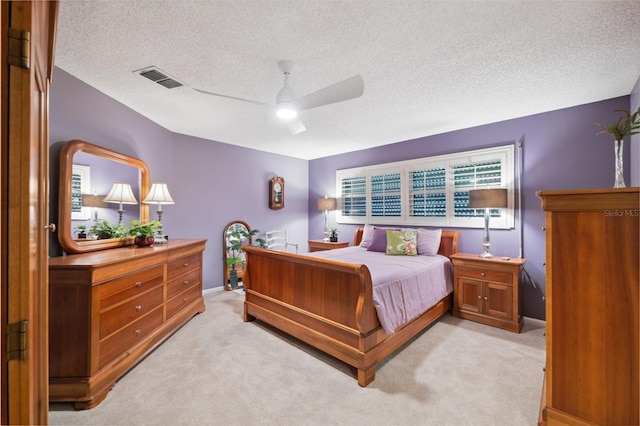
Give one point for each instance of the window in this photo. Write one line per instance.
(430, 191)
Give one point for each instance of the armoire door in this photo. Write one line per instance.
(28, 35)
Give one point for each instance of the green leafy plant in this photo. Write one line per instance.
(103, 229)
(140, 228)
(81, 230)
(236, 240)
(334, 232)
(626, 125)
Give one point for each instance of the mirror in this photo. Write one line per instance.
(235, 235)
(79, 160)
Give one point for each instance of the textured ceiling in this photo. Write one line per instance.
(428, 66)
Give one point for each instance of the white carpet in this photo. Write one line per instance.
(219, 370)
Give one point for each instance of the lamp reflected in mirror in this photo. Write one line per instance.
(159, 194)
(94, 201)
(121, 193)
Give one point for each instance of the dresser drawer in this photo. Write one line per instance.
(113, 319)
(185, 264)
(121, 289)
(182, 300)
(135, 332)
(485, 274)
(182, 283)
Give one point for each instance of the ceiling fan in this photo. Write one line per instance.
(287, 105)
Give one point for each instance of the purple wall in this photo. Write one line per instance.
(212, 183)
(560, 151)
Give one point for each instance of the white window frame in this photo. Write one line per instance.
(504, 154)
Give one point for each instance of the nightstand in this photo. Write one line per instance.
(487, 290)
(320, 245)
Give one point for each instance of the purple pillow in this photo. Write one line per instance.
(379, 240)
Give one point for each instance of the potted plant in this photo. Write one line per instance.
(627, 124)
(333, 237)
(103, 229)
(144, 233)
(236, 240)
(81, 230)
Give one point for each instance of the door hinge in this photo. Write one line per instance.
(17, 338)
(19, 48)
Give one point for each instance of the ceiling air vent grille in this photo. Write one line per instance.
(160, 77)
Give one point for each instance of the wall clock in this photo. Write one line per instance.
(276, 193)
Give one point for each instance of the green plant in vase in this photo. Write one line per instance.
(144, 232)
(235, 241)
(103, 229)
(627, 124)
(333, 236)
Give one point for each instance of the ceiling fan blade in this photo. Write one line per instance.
(295, 125)
(233, 97)
(343, 91)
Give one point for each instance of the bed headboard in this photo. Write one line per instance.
(448, 241)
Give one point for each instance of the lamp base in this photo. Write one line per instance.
(485, 254)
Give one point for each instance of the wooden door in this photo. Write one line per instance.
(28, 34)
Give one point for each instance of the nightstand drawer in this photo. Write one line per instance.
(485, 274)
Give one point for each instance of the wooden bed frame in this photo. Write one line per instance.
(329, 304)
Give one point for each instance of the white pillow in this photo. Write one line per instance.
(367, 236)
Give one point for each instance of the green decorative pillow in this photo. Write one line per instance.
(403, 243)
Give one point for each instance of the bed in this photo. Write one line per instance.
(329, 304)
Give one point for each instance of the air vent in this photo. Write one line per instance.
(160, 77)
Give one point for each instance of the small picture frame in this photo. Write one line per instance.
(276, 193)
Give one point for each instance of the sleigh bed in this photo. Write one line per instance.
(329, 304)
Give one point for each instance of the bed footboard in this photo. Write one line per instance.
(325, 303)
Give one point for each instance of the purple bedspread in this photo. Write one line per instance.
(404, 287)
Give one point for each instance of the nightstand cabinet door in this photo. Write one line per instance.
(469, 295)
(486, 290)
(498, 301)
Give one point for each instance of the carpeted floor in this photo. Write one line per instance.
(218, 370)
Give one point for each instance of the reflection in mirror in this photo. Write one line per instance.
(233, 257)
(87, 174)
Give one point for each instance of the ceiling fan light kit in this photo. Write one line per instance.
(287, 106)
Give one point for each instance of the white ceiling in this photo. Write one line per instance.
(428, 66)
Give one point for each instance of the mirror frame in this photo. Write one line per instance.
(224, 250)
(65, 233)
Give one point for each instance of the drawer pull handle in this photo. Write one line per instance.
(482, 274)
(137, 331)
(185, 300)
(479, 297)
(486, 298)
(186, 264)
(138, 308)
(185, 282)
(138, 283)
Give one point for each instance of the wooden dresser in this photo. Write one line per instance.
(592, 274)
(109, 309)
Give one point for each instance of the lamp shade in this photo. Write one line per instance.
(488, 198)
(326, 203)
(159, 194)
(93, 200)
(121, 193)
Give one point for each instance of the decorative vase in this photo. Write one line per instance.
(142, 241)
(233, 278)
(619, 180)
(333, 238)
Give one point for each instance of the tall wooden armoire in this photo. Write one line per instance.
(592, 265)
